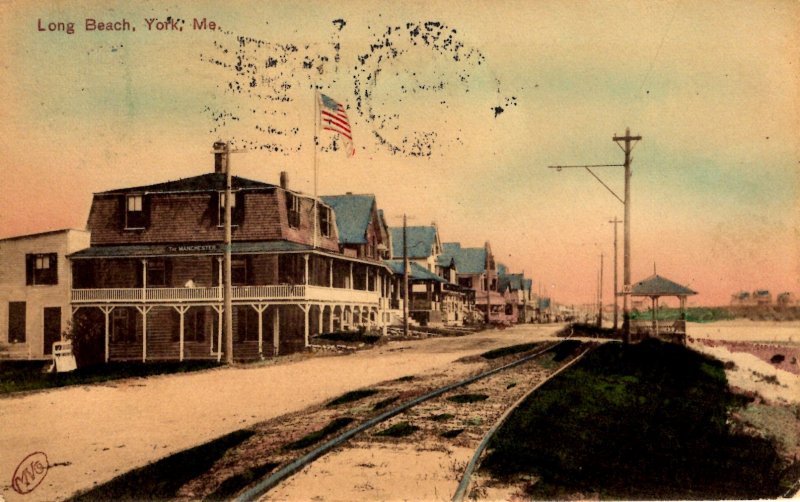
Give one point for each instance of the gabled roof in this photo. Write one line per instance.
(656, 285)
(513, 281)
(468, 260)
(420, 240)
(203, 183)
(353, 214)
(416, 271)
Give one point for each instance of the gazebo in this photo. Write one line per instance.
(655, 287)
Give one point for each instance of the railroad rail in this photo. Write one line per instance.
(269, 482)
(466, 478)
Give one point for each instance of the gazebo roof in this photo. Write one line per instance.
(655, 285)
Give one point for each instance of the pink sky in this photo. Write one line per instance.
(711, 88)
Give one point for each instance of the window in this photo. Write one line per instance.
(41, 269)
(239, 271)
(156, 274)
(194, 325)
(237, 208)
(293, 209)
(465, 282)
(246, 323)
(123, 325)
(16, 322)
(325, 221)
(134, 212)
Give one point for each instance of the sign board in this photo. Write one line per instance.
(63, 357)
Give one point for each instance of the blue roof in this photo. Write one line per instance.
(353, 214)
(468, 260)
(420, 241)
(415, 272)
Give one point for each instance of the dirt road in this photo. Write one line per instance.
(90, 434)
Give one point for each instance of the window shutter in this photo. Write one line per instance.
(237, 218)
(168, 273)
(122, 207)
(139, 278)
(53, 257)
(30, 262)
(146, 208)
(176, 326)
(214, 208)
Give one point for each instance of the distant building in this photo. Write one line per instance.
(476, 270)
(787, 299)
(35, 285)
(517, 291)
(742, 298)
(762, 297)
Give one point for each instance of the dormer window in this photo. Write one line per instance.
(293, 209)
(221, 209)
(325, 227)
(134, 212)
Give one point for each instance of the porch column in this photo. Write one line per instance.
(351, 276)
(181, 311)
(219, 277)
(305, 275)
(366, 279)
(330, 319)
(321, 312)
(305, 308)
(144, 310)
(107, 311)
(653, 303)
(276, 330)
(330, 272)
(218, 309)
(260, 308)
(144, 279)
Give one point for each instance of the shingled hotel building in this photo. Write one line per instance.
(153, 272)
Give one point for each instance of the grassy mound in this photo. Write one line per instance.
(467, 398)
(353, 395)
(398, 430)
(161, 480)
(335, 425)
(646, 421)
(18, 376)
(510, 350)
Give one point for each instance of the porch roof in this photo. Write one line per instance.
(187, 249)
(655, 285)
(416, 271)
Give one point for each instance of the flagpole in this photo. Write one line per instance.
(316, 169)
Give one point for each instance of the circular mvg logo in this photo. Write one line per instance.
(30, 473)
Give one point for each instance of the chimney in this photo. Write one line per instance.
(284, 180)
(220, 157)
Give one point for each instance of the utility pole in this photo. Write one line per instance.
(224, 149)
(616, 291)
(405, 277)
(600, 296)
(628, 141)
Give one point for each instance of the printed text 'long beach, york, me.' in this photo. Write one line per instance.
(151, 24)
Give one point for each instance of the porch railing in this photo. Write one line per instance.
(246, 293)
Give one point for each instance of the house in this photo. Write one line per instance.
(476, 270)
(425, 289)
(35, 284)
(423, 244)
(433, 301)
(516, 289)
(361, 227)
(152, 277)
(787, 299)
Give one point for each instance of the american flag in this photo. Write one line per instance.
(333, 117)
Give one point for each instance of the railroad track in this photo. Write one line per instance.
(442, 408)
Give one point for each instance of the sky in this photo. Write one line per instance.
(457, 110)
